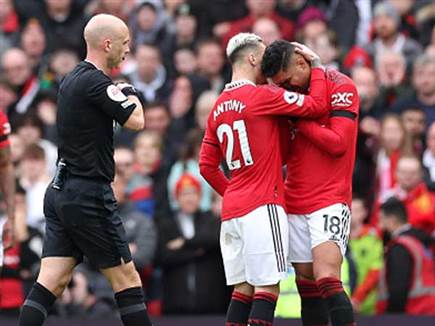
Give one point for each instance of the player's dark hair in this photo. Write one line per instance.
(276, 57)
(393, 207)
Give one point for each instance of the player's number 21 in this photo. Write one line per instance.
(240, 127)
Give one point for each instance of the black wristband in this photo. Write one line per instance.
(129, 90)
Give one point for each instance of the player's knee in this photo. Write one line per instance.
(244, 288)
(272, 289)
(124, 277)
(54, 282)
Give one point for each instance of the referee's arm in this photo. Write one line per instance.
(120, 102)
(136, 121)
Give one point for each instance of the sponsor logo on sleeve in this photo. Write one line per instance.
(292, 98)
(342, 99)
(115, 94)
(126, 104)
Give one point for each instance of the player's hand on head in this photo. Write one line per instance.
(307, 53)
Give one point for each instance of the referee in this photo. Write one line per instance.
(79, 206)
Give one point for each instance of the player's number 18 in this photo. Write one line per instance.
(240, 127)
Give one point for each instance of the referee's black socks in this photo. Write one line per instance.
(36, 306)
(339, 305)
(263, 309)
(131, 304)
(313, 307)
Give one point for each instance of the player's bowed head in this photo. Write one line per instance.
(288, 65)
(107, 40)
(245, 53)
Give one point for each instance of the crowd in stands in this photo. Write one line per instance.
(178, 64)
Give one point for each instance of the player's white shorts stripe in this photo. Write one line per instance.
(276, 236)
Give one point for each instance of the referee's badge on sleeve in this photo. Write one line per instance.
(115, 94)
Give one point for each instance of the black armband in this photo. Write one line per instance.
(129, 90)
(344, 114)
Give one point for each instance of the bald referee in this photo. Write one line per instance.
(80, 208)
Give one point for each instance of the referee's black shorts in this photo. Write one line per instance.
(82, 220)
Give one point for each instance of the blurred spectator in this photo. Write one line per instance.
(257, 9)
(148, 23)
(367, 252)
(45, 107)
(189, 256)
(391, 70)
(213, 16)
(20, 261)
(407, 277)
(8, 95)
(292, 8)
(423, 93)
(210, 58)
(311, 23)
(185, 33)
(188, 163)
(17, 150)
(429, 159)
(172, 132)
(203, 107)
(61, 62)
(63, 22)
(184, 61)
(147, 188)
(9, 24)
(367, 84)
(34, 180)
(124, 160)
(18, 72)
(31, 129)
(351, 21)
(33, 42)
(118, 8)
(139, 229)
(150, 77)
(394, 142)
(386, 22)
(406, 10)
(267, 29)
(412, 191)
(325, 45)
(184, 95)
(414, 122)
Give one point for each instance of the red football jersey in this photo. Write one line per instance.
(322, 154)
(5, 130)
(246, 127)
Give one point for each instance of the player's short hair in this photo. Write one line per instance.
(394, 208)
(276, 57)
(238, 43)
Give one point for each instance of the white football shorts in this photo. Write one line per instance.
(307, 231)
(255, 246)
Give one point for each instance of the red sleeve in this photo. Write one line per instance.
(272, 100)
(335, 138)
(5, 130)
(210, 157)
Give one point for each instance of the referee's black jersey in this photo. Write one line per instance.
(88, 105)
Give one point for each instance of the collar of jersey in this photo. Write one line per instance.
(238, 83)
